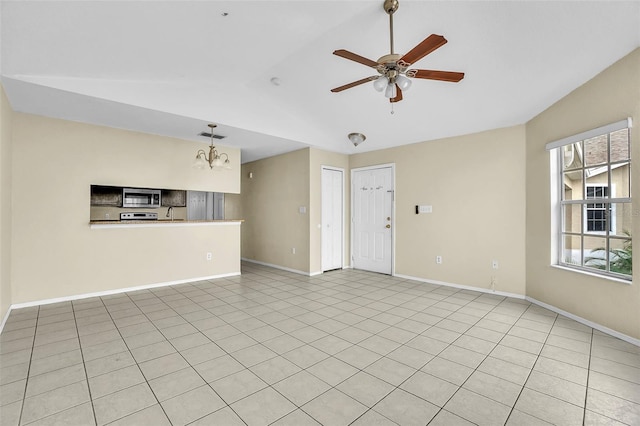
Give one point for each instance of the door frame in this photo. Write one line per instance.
(393, 211)
(342, 211)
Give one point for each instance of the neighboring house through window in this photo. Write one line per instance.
(597, 212)
(591, 174)
(599, 215)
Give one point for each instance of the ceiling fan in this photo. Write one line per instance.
(394, 73)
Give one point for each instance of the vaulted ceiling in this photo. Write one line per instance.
(171, 67)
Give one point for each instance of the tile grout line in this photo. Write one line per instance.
(84, 365)
(26, 383)
(586, 387)
(531, 371)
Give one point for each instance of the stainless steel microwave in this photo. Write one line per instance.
(138, 197)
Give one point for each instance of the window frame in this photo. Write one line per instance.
(558, 203)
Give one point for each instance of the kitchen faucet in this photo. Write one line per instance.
(170, 212)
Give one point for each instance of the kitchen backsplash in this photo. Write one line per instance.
(113, 213)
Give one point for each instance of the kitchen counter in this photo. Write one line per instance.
(96, 224)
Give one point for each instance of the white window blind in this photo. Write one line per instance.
(619, 125)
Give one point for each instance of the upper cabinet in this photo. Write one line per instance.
(106, 196)
(174, 198)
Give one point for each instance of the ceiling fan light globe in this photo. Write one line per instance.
(403, 82)
(380, 83)
(390, 91)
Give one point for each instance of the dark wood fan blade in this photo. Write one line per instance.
(353, 84)
(398, 97)
(437, 75)
(427, 46)
(356, 58)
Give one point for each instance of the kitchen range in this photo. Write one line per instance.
(139, 216)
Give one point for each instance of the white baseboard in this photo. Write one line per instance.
(283, 268)
(586, 322)
(115, 291)
(4, 320)
(462, 287)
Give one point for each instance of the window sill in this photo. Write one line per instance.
(591, 274)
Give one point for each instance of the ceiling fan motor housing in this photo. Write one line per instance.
(390, 67)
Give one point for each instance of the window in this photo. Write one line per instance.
(597, 213)
(593, 209)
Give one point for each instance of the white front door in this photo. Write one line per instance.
(332, 217)
(372, 196)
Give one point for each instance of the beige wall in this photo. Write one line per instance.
(56, 254)
(5, 203)
(475, 184)
(611, 96)
(270, 203)
(319, 158)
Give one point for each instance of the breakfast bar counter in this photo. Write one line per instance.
(111, 224)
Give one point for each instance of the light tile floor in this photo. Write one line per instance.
(346, 347)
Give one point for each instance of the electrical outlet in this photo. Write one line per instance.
(438, 260)
(494, 281)
(106, 216)
(209, 256)
(293, 250)
(494, 264)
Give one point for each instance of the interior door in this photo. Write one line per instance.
(372, 196)
(332, 218)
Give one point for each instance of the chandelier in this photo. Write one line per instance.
(214, 159)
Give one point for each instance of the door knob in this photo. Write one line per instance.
(388, 226)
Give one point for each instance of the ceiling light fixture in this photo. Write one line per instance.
(214, 159)
(356, 138)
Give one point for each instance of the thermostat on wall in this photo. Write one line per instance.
(424, 209)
